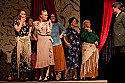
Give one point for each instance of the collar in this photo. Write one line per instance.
(118, 14)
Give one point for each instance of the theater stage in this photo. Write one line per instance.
(92, 81)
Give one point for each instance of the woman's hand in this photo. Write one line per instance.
(68, 44)
(96, 43)
(88, 29)
(36, 23)
(61, 36)
(36, 38)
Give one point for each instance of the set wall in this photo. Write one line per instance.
(67, 9)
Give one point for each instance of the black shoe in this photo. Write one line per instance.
(40, 80)
(64, 79)
(88, 78)
(46, 79)
(53, 79)
(22, 79)
(83, 78)
(74, 78)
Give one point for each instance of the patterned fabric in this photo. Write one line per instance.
(45, 56)
(90, 57)
(89, 37)
(21, 56)
(73, 52)
(24, 69)
(24, 30)
(24, 48)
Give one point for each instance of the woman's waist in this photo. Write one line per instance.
(88, 43)
(24, 38)
(56, 43)
(56, 40)
(21, 35)
(44, 34)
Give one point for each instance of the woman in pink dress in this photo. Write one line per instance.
(44, 45)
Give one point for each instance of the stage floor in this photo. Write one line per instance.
(92, 81)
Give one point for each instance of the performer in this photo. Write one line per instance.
(33, 38)
(73, 44)
(45, 56)
(58, 32)
(90, 55)
(21, 56)
(117, 61)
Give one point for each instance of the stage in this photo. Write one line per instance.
(87, 81)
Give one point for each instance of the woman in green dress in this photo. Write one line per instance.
(90, 56)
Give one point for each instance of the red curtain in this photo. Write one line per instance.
(38, 5)
(107, 16)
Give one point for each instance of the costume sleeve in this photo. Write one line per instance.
(62, 28)
(96, 36)
(15, 23)
(123, 19)
(83, 35)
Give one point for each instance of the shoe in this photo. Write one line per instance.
(64, 79)
(46, 79)
(57, 78)
(83, 78)
(74, 78)
(40, 80)
(9, 78)
(88, 78)
(22, 79)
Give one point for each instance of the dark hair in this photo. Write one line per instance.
(118, 4)
(27, 19)
(56, 20)
(20, 11)
(71, 19)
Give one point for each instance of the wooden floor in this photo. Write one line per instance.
(93, 81)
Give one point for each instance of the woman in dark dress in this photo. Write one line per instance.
(73, 43)
(33, 38)
(21, 56)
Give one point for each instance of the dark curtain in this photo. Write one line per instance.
(50, 6)
(92, 11)
(38, 5)
(106, 53)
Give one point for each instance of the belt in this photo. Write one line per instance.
(44, 35)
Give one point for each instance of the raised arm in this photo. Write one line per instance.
(21, 23)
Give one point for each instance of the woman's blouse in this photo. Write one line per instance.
(89, 37)
(56, 33)
(24, 30)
